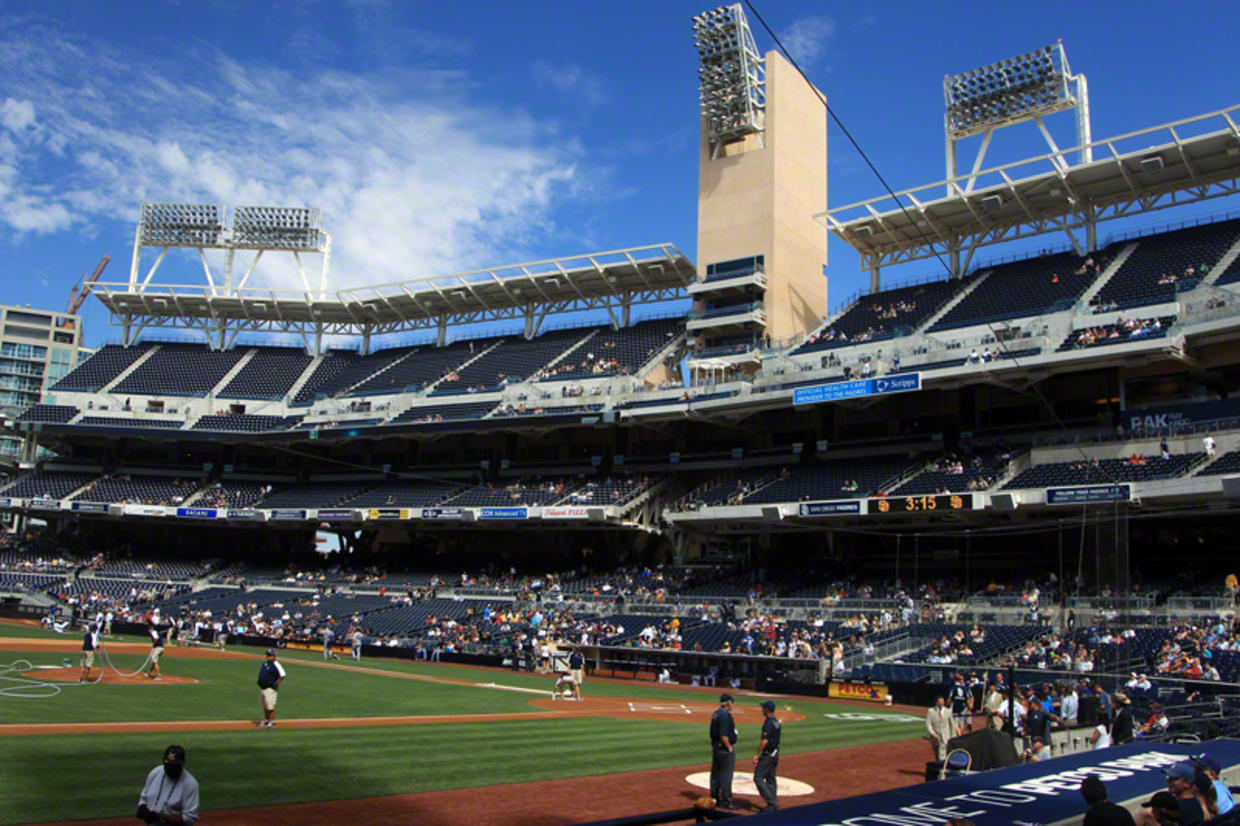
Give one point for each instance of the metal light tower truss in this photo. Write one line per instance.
(611, 281)
(732, 76)
(1012, 91)
(260, 229)
(1182, 162)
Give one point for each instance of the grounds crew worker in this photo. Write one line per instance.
(767, 757)
(722, 754)
(269, 678)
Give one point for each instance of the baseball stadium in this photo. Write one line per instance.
(582, 540)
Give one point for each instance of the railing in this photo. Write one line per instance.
(717, 312)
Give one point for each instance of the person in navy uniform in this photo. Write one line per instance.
(961, 699)
(723, 756)
(577, 666)
(766, 758)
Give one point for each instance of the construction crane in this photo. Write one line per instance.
(76, 295)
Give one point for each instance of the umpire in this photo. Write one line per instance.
(767, 757)
(723, 755)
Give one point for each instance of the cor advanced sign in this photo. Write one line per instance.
(855, 389)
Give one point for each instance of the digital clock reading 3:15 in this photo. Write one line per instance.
(922, 504)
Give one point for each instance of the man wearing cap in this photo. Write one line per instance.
(723, 737)
(1102, 812)
(270, 675)
(1212, 769)
(1121, 729)
(170, 794)
(767, 757)
(1180, 784)
(89, 643)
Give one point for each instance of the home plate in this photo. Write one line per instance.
(743, 784)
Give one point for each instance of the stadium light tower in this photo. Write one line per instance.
(732, 76)
(1028, 87)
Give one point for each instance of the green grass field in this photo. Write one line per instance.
(264, 767)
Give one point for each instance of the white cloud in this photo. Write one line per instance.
(16, 115)
(806, 39)
(571, 80)
(413, 179)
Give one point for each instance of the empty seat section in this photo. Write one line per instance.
(882, 315)
(245, 423)
(829, 480)
(101, 369)
(425, 366)
(227, 494)
(1027, 288)
(139, 490)
(1165, 264)
(360, 370)
(430, 413)
(515, 359)
(324, 373)
(616, 352)
(47, 484)
(180, 370)
(269, 374)
(315, 494)
(405, 493)
(53, 413)
(129, 421)
(532, 492)
(1105, 471)
(1227, 463)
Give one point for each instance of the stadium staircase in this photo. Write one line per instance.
(657, 357)
(302, 379)
(1082, 303)
(973, 283)
(572, 349)
(1223, 264)
(236, 368)
(430, 388)
(124, 374)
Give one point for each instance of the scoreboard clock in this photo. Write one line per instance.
(946, 502)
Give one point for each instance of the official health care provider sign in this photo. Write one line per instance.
(503, 513)
(855, 389)
(1035, 793)
(1088, 493)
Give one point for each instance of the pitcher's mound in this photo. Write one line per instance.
(646, 709)
(70, 675)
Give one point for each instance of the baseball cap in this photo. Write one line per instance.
(768, 705)
(1183, 770)
(1207, 762)
(175, 755)
(725, 697)
(271, 652)
(1164, 800)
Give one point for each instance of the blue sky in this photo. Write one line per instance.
(439, 137)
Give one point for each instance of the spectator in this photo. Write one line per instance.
(1102, 812)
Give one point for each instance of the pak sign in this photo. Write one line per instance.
(443, 513)
(503, 513)
(565, 513)
(1088, 493)
(829, 508)
(855, 389)
(198, 513)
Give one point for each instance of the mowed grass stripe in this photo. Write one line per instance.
(263, 767)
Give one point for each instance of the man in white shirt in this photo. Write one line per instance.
(1100, 738)
(170, 794)
(1068, 708)
(1208, 443)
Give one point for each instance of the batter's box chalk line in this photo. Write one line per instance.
(659, 708)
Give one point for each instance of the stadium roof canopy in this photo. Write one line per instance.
(1164, 166)
(610, 281)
